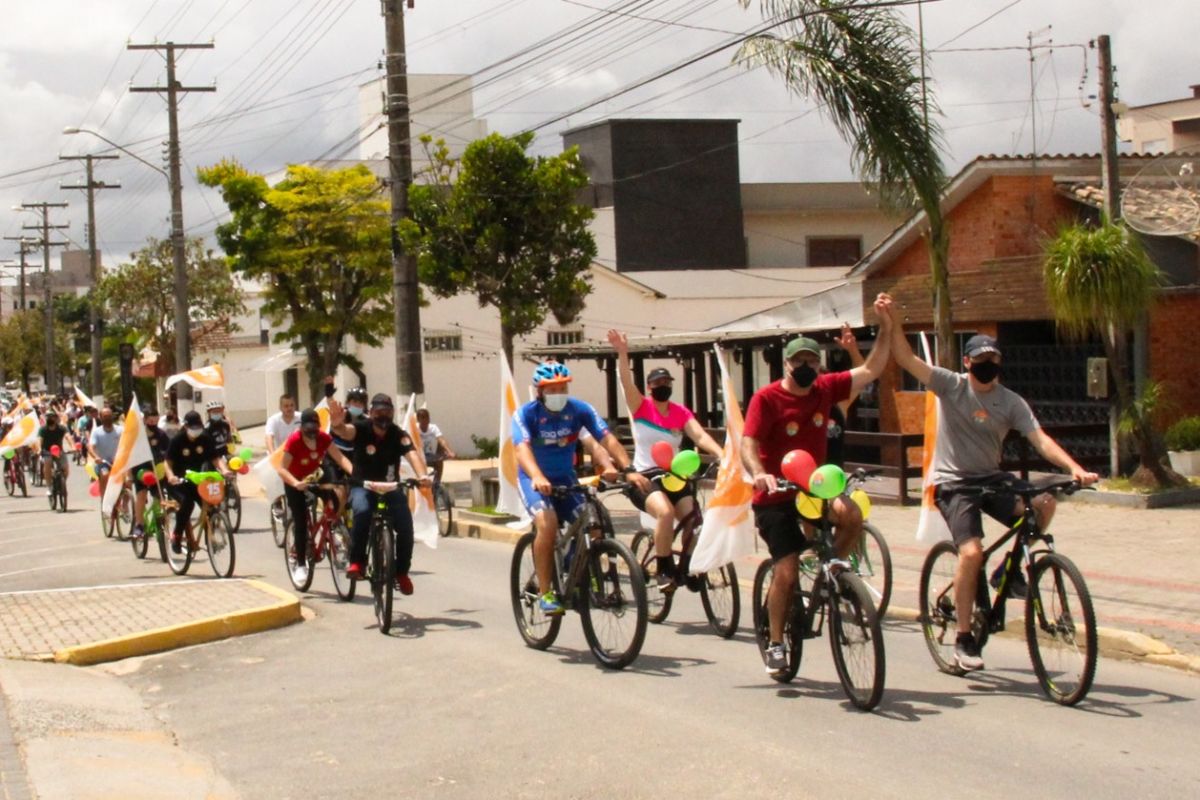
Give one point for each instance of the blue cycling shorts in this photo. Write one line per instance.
(565, 507)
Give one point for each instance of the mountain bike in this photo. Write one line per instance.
(381, 551)
(827, 589)
(328, 538)
(594, 574)
(1060, 623)
(719, 594)
(14, 477)
(215, 536)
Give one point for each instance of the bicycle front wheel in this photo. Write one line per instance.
(123, 514)
(233, 506)
(380, 571)
(299, 569)
(873, 563)
(856, 638)
(614, 604)
(339, 559)
(538, 629)
(721, 599)
(140, 542)
(939, 617)
(218, 539)
(445, 510)
(280, 517)
(658, 602)
(793, 642)
(181, 561)
(60, 488)
(1060, 627)
(10, 485)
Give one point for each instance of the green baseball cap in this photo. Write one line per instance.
(801, 344)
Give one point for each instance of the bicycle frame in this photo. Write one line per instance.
(579, 534)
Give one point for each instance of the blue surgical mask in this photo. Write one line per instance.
(216, 417)
(355, 411)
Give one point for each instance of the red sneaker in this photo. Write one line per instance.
(355, 572)
(404, 583)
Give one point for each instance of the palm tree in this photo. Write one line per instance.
(1099, 281)
(864, 68)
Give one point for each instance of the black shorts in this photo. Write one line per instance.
(961, 503)
(639, 500)
(779, 526)
(331, 472)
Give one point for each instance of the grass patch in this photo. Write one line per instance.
(1126, 486)
(489, 510)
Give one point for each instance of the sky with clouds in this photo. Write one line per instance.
(287, 72)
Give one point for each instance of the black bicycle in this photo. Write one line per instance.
(594, 574)
(1060, 624)
(827, 588)
(58, 487)
(381, 551)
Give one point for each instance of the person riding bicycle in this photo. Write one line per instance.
(656, 419)
(544, 433)
(53, 434)
(433, 445)
(158, 441)
(220, 429)
(102, 445)
(281, 424)
(355, 406)
(303, 452)
(975, 414)
(379, 444)
(191, 449)
(85, 423)
(787, 415)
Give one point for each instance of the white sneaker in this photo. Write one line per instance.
(299, 573)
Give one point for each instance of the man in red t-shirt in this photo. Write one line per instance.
(791, 414)
(303, 452)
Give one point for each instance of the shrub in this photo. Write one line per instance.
(1184, 434)
(488, 447)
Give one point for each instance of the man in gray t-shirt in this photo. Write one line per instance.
(102, 445)
(975, 413)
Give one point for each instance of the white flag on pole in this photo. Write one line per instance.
(931, 525)
(132, 449)
(509, 501)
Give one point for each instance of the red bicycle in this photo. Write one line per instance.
(14, 477)
(328, 539)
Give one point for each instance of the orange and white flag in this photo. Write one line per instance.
(420, 502)
(132, 449)
(204, 378)
(509, 499)
(22, 434)
(267, 469)
(728, 532)
(931, 525)
(83, 400)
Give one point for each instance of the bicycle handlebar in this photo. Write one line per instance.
(386, 487)
(1026, 489)
(202, 477)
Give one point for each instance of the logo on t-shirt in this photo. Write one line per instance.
(981, 415)
(793, 428)
(370, 449)
(818, 419)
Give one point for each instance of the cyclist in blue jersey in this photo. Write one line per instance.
(544, 433)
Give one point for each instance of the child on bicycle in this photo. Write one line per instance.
(544, 433)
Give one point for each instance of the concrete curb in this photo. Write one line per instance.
(284, 611)
(1113, 642)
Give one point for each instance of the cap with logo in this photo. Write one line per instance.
(979, 345)
(658, 374)
(801, 344)
(310, 421)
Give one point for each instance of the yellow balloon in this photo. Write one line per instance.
(160, 470)
(808, 506)
(90, 470)
(235, 463)
(864, 502)
(673, 483)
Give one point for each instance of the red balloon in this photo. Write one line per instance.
(148, 478)
(94, 489)
(245, 470)
(662, 453)
(797, 466)
(56, 451)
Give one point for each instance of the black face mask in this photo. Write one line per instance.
(985, 371)
(804, 375)
(381, 421)
(661, 393)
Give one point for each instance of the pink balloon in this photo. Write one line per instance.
(662, 453)
(56, 451)
(94, 489)
(797, 466)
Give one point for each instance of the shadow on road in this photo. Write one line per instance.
(660, 666)
(406, 626)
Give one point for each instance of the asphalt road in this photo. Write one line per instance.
(452, 704)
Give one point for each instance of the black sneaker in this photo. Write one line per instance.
(666, 583)
(693, 582)
(1017, 589)
(176, 543)
(966, 653)
(775, 658)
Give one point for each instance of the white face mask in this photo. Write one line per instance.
(556, 402)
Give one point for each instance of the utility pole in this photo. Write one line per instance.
(26, 247)
(51, 373)
(183, 349)
(409, 377)
(1110, 182)
(94, 257)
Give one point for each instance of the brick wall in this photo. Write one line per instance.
(1172, 348)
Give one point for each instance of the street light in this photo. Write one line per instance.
(71, 130)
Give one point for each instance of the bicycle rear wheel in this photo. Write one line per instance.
(1060, 628)
(538, 629)
(339, 559)
(721, 599)
(793, 642)
(380, 572)
(123, 514)
(445, 510)
(614, 604)
(54, 498)
(140, 542)
(20, 478)
(856, 639)
(301, 578)
(873, 563)
(658, 602)
(60, 489)
(219, 541)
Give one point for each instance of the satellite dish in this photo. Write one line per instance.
(1163, 199)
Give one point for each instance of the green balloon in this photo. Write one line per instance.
(685, 463)
(8, 454)
(827, 481)
(246, 454)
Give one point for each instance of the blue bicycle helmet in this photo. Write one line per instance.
(549, 373)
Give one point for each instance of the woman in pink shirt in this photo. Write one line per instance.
(656, 419)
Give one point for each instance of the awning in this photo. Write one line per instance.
(278, 361)
(821, 311)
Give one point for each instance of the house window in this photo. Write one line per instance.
(564, 337)
(443, 342)
(834, 251)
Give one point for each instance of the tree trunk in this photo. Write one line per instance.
(1150, 456)
(506, 342)
(314, 365)
(939, 261)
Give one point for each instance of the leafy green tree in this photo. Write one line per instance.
(1100, 282)
(23, 346)
(319, 242)
(505, 227)
(140, 294)
(863, 67)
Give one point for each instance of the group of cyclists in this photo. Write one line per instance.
(805, 410)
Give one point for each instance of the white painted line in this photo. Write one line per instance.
(109, 585)
(51, 549)
(62, 566)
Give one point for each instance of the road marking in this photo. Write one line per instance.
(50, 549)
(109, 586)
(34, 527)
(61, 566)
